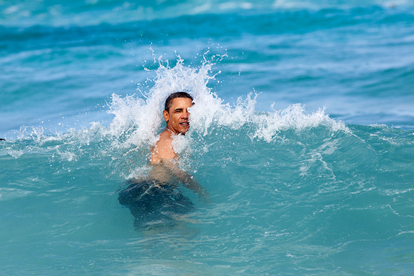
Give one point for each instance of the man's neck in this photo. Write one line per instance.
(170, 131)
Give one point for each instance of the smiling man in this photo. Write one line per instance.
(157, 199)
(176, 116)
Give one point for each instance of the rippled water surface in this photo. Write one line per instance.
(302, 132)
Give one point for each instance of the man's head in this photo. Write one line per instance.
(174, 96)
(176, 113)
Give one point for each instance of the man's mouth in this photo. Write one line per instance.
(185, 124)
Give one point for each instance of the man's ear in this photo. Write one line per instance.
(166, 117)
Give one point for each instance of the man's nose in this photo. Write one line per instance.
(186, 114)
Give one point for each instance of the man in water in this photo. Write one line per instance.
(158, 197)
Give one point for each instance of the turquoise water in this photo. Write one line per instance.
(302, 133)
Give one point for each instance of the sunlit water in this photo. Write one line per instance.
(302, 132)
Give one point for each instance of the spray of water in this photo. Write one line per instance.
(138, 121)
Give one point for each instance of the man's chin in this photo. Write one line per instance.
(183, 131)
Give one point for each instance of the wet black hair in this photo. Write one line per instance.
(173, 96)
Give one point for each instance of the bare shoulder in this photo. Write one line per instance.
(163, 149)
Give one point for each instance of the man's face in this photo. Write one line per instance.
(177, 116)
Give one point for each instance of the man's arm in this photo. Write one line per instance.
(190, 183)
(188, 180)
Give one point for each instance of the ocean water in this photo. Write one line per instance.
(302, 132)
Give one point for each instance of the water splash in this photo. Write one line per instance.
(137, 122)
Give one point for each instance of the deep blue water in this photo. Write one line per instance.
(302, 132)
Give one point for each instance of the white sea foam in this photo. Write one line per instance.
(138, 120)
(209, 111)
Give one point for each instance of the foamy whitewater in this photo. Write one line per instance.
(301, 131)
